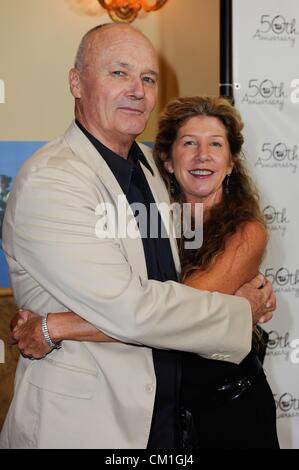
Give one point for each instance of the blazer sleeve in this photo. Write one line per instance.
(53, 230)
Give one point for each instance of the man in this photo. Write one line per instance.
(102, 395)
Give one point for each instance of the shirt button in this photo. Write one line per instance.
(149, 388)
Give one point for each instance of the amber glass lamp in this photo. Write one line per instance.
(127, 10)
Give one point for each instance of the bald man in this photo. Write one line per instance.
(122, 393)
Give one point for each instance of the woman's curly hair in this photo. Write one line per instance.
(238, 205)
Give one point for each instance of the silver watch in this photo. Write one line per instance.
(46, 335)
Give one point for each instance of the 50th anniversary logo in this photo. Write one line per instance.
(277, 28)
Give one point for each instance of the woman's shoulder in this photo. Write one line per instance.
(253, 232)
(248, 242)
(237, 264)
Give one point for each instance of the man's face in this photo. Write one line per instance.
(118, 88)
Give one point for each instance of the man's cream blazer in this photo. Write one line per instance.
(93, 395)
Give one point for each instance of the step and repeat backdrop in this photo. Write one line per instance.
(266, 90)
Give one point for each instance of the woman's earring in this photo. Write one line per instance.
(174, 187)
(227, 184)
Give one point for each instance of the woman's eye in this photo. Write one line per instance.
(189, 143)
(216, 144)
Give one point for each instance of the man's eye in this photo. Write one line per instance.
(118, 73)
(150, 80)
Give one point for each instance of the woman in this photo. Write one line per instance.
(198, 151)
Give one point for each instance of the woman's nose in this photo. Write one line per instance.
(202, 152)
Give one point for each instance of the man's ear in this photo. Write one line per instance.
(168, 166)
(75, 83)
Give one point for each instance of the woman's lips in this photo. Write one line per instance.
(201, 173)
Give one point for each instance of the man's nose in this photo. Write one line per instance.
(136, 89)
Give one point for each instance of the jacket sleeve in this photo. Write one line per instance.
(54, 240)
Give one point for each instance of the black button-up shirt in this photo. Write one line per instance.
(165, 429)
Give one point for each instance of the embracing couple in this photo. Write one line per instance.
(137, 342)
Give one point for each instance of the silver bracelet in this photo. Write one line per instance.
(46, 335)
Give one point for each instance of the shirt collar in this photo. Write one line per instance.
(121, 168)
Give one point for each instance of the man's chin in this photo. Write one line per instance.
(134, 131)
(134, 124)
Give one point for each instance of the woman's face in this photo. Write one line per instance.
(201, 159)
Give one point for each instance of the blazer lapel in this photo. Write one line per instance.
(83, 148)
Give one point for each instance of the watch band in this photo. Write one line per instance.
(46, 335)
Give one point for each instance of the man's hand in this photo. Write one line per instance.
(26, 332)
(260, 295)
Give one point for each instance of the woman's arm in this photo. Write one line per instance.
(238, 264)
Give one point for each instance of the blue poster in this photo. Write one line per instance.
(12, 156)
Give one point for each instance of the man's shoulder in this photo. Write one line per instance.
(53, 166)
(41, 158)
(57, 153)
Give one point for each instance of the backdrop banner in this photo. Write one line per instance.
(266, 90)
